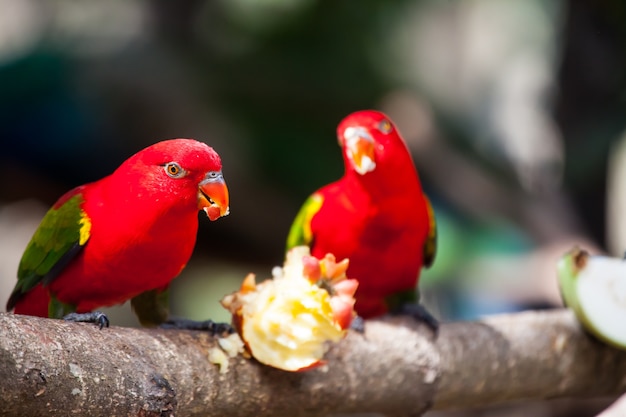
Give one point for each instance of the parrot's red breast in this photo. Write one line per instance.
(131, 232)
(376, 215)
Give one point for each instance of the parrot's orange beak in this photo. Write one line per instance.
(213, 195)
(360, 149)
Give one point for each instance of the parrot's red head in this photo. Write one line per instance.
(183, 171)
(363, 136)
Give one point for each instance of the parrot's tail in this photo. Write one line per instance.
(33, 303)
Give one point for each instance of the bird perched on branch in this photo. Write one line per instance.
(125, 236)
(376, 215)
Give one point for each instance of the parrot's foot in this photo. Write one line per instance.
(358, 324)
(206, 325)
(95, 317)
(419, 313)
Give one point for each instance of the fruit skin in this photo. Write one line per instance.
(287, 322)
(125, 236)
(570, 270)
(376, 215)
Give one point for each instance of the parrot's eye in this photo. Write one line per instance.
(384, 126)
(174, 170)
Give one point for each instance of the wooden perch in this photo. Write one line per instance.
(49, 367)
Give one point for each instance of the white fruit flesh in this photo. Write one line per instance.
(287, 323)
(601, 293)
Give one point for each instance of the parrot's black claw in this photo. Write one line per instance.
(96, 317)
(419, 313)
(358, 324)
(207, 326)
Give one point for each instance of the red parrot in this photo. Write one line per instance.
(376, 215)
(125, 236)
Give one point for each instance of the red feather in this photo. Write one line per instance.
(143, 229)
(378, 220)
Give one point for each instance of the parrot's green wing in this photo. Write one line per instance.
(63, 232)
(300, 233)
(430, 247)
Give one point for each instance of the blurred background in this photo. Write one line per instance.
(514, 112)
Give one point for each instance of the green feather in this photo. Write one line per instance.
(300, 232)
(63, 232)
(58, 309)
(398, 299)
(430, 247)
(151, 307)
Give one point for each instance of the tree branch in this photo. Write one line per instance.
(49, 367)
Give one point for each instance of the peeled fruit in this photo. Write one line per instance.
(595, 288)
(227, 347)
(288, 321)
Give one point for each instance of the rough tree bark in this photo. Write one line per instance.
(49, 367)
